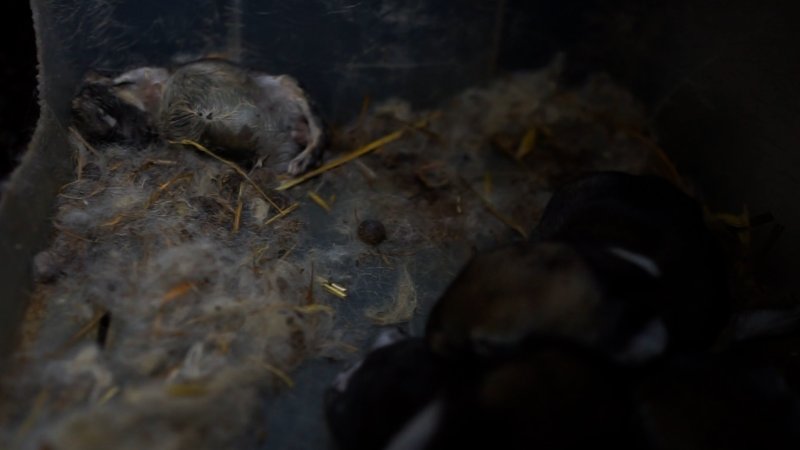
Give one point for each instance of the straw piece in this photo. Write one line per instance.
(237, 217)
(231, 164)
(283, 213)
(333, 288)
(374, 145)
(527, 144)
(283, 376)
(319, 201)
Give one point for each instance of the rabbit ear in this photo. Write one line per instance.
(389, 337)
(637, 259)
(143, 87)
(765, 322)
(650, 342)
(419, 431)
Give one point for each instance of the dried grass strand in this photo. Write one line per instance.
(374, 145)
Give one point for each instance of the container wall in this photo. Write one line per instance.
(344, 51)
(341, 51)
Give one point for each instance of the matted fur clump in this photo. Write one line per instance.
(175, 295)
(199, 307)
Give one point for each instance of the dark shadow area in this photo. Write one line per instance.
(719, 81)
(18, 106)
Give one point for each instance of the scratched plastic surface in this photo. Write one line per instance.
(340, 50)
